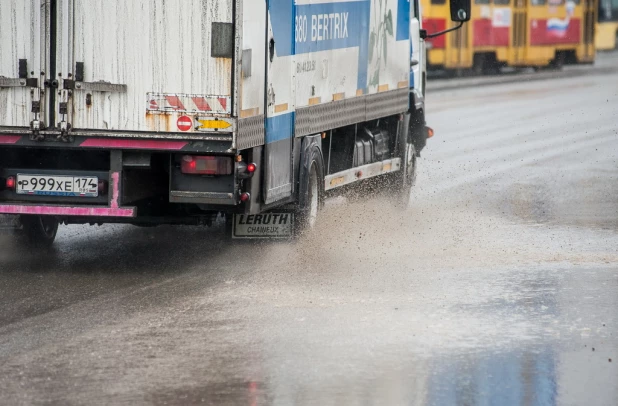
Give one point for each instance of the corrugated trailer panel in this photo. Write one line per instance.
(160, 49)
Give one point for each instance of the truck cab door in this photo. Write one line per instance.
(417, 59)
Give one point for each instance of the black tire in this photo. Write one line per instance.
(39, 231)
(406, 177)
(558, 62)
(479, 64)
(401, 182)
(311, 193)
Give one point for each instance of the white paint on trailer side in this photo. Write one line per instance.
(64, 54)
(416, 43)
(390, 65)
(20, 38)
(254, 39)
(322, 74)
(160, 46)
(281, 80)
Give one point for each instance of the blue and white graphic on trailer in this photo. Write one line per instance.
(323, 34)
(403, 20)
(322, 26)
(327, 50)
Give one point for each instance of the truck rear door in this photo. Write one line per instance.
(140, 65)
(22, 61)
(127, 66)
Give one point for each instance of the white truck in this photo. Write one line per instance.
(180, 111)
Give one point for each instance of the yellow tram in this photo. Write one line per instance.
(520, 33)
(607, 29)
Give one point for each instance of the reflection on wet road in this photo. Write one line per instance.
(498, 286)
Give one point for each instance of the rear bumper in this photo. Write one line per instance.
(141, 142)
(82, 211)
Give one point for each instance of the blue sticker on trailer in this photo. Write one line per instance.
(403, 20)
(279, 127)
(281, 19)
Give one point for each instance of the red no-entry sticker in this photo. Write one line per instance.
(184, 123)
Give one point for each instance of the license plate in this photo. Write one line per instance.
(267, 225)
(48, 185)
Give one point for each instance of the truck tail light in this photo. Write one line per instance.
(102, 187)
(10, 183)
(206, 165)
(244, 170)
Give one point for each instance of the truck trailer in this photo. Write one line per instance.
(154, 112)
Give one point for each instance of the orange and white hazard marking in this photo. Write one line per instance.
(188, 103)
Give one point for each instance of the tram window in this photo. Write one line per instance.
(481, 1)
(502, 2)
(539, 2)
(438, 1)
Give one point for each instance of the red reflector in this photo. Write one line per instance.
(251, 168)
(10, 183)
(206, 165)
(245, 197)
(102, 187)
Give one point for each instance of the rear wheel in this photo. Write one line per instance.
(406, 177)
(558, 62)
(311, 195)
(402, 181)
(39, 231)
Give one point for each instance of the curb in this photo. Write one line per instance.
(452, 84)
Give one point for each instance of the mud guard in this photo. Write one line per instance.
(418, 130)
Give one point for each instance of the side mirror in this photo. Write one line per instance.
(460, 10)
(460, 13)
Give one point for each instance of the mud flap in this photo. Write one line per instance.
(263, 226)
(278, 158)
(9, 222)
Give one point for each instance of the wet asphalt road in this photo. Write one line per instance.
(498, 286)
